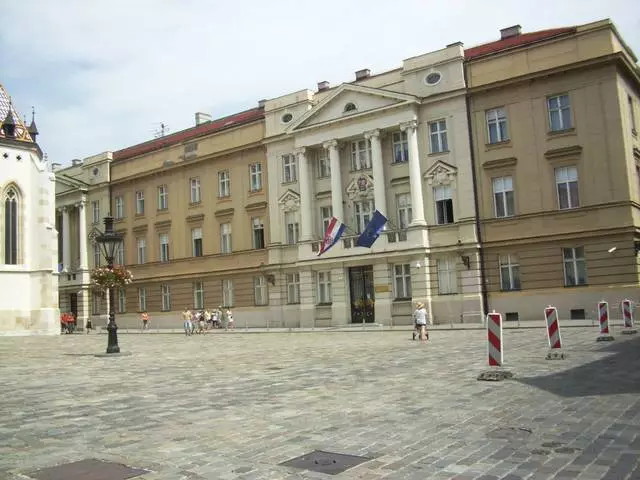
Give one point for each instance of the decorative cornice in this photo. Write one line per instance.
(500, 163)
(140, 228)
(399, 181)
(225, 212)
(440, 173)
(252, 207)
(195, 218)
(323, 194)
(163, 224)
(572, 151)
(289, 201)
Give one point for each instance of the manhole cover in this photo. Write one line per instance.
(325, 462)
(510, 433)
(89, 469)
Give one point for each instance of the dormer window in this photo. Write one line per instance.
(286, 118)
(350, 107)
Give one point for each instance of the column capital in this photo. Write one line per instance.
(65, 208)
(330, 144)
(412, 124)
(372, 134)
(300, 151)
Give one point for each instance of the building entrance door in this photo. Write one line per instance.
(73, 304)
(362, 294)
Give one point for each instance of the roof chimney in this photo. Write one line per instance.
(509, 32)
(262, 103)
(76, 161)
(362, 74)
(324, 85)
(455, 44)
(55, 166)
(202, 118)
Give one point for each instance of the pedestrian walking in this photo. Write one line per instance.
(420, 317)
(187, 323)
(145, 320)
(229, 316)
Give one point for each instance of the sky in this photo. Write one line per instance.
(104, 74)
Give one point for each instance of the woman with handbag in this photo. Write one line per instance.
(420, 317)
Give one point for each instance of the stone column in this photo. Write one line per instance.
(306, 214)
(66, 241)
(82, 218)
(379, 192)
(415, 176)
(336, 179)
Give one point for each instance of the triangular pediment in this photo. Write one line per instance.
(440, 173)
(289, 201)
(360, 187)
(349, 101)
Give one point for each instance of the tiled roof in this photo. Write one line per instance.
(21, 131)
(190, 133)
(516, 41)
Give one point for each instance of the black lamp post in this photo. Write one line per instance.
(109, 241)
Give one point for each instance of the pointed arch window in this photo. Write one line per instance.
(11, 227)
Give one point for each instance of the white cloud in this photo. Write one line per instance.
(103, 73)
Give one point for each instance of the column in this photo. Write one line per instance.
(336, 179)
(415, 176)
(66, 241)
(306, 214)
(82, 217)
(379, 186)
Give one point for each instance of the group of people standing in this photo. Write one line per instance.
(199, 321)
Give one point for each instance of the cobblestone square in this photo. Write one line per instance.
(236, 405)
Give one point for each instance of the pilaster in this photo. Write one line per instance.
(336, 179)
(340, 312)
(383, 292)
(415, 177)
(307, 299)
(306, 214)
(379, 185)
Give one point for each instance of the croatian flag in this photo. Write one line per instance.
(332, 235)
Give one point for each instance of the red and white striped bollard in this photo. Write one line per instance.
(553, 334)
(603, 319)
(494, 349)
(627, 315)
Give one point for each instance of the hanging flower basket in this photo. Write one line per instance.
(104, 277)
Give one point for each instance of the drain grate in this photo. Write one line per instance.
(510, 433)
(89, 469)
(325, 462)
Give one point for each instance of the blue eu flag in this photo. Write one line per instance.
(372, 230)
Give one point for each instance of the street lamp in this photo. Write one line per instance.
(109, 241)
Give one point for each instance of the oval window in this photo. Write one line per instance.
(286, 118)
(433, 78)
(350, 107)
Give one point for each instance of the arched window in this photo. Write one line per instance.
(11, 227)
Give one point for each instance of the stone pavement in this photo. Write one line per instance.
(235, 406)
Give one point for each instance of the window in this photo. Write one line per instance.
(326, 213)
(403, 202)
(95, 303)
(224, 184)
(122, 300)
(260, 290)
(363, 212)
(350, 107)
(503, 197)
(400, 147)
(119, 256)
(497, 125)
(324, 164)
(289, 169)
(632, 114)
(447, 279)
(293, 288)
(257, 228)
(140, 202)
(225, 238)
(444, 204)
(559, 112)
(195, 190)
(509, 273)
(97, 255)
(163, 197)
(227, 293)
(360, 154)
(119, 207)
(142, 299)
(95, 211)
(198, 295)
(196, 242)
(11, 228)
(324, 288)
(291, 224)
(164, 247)
(402, 281)
(438, 136)
(255, 176)
(165, 291)
(575, 267)
(141, 245)
(567, 187)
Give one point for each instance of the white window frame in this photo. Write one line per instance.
(95, 211)
(438, 140)
(165, 294)
(441, 195)
(497, 118)
(326, 214)
(289, 168)
(255, 176)
(363, 212)
(97, 255)
(402, 281)
(400, 144)
(555, 106)
(257, 225)
(509, 273)
(163, 240)
(566, 177)
(196, 193)
(572, 264)
(142, 299)
(227, 292)
(119, 207)
(360, 155)
(503, 196)
(163, 197)
(260, 291)
(119, 254)
(122, 300)
(404, 210)
(140, 202)
(198, 295)
(292, 228)
(447, 276)
(325, 296)
(226, 244)
(224, 184)
(324, 163)
(196, 234)
(293, 288)
(141, 247)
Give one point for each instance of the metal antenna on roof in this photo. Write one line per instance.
(161, 131)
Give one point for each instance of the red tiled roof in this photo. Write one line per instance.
(190, 133)
(517, 41)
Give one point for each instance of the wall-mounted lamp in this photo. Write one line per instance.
(418, 264)
(271, 279)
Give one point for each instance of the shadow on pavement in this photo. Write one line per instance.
(615, 374)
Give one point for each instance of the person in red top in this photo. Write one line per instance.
(145, 320)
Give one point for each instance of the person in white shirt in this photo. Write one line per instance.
(420, 316)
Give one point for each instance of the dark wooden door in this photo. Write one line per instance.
(362, 294)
